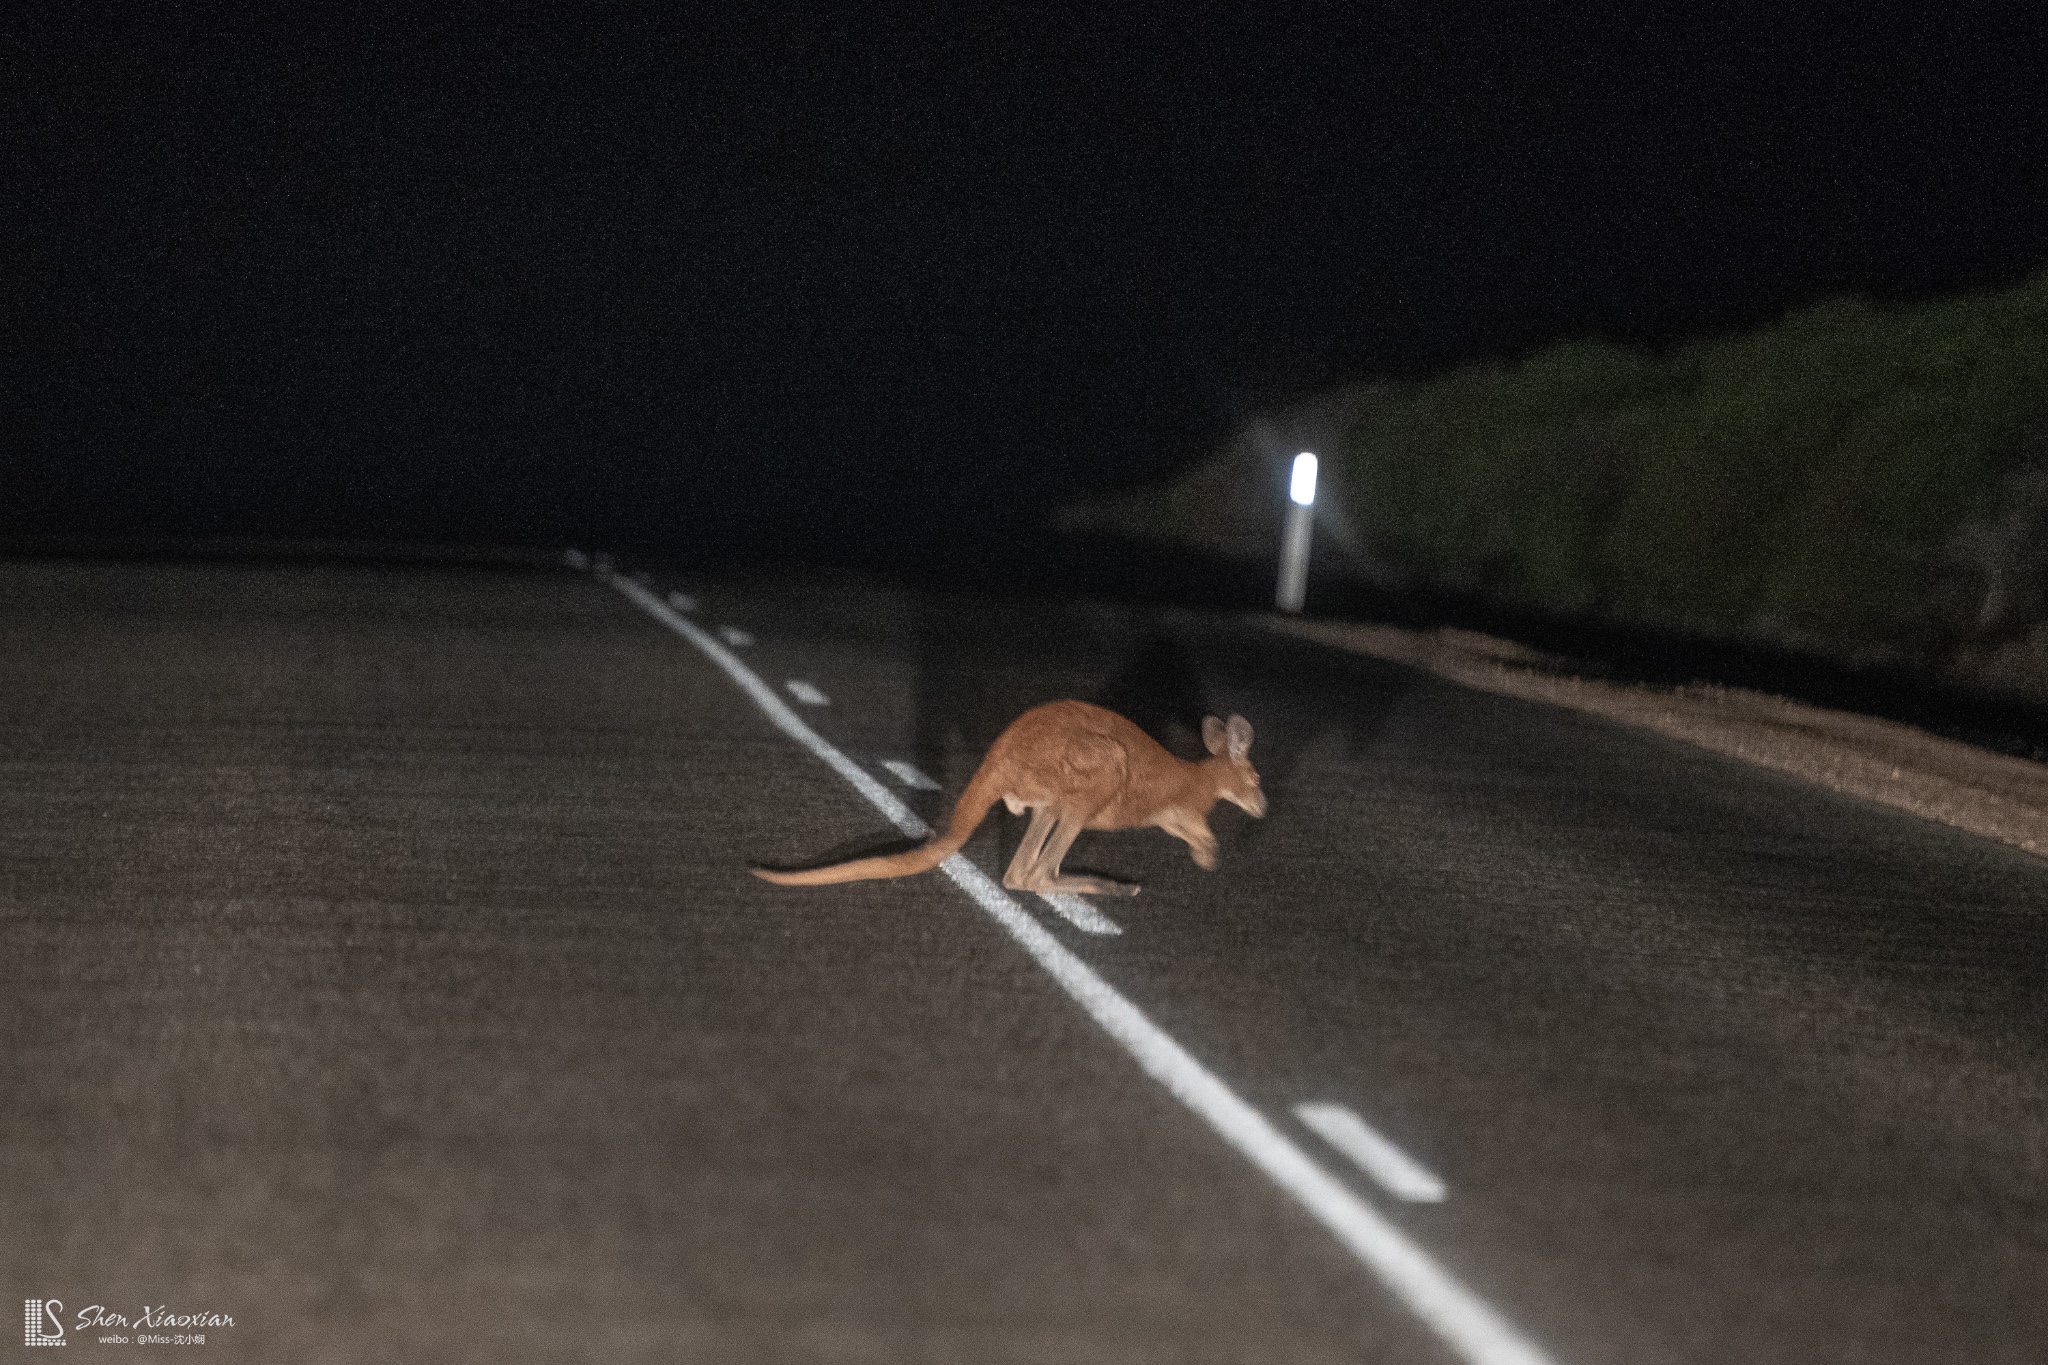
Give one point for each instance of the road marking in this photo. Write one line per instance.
(908, 775)
(1403, 1176)
(735, 637)
(576, 559)
(1080, 913)
(682, 601)
(1467, 1324)
(807, 694)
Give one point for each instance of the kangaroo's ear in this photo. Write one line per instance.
(1238, 734)
(1215, 738)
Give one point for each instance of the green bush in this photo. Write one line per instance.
(1805, 482)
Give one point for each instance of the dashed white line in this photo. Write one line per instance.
(806, 693)
(735, 637)
(909, 775)
(1400, 1174)
(682, 601)
(1467, 1324)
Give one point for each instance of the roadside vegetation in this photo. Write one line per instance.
(1867, 481)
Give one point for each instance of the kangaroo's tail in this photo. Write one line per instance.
(968, 814)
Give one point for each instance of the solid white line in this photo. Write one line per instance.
(1403, 1176)
(909, 775)
(735, 637)
(1465, 1322)
(806, 693)
(1080, 913)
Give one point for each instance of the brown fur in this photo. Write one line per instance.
(1075, 767)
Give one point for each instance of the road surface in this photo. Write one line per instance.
(381, 971)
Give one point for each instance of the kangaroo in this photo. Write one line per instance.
(1075, 767)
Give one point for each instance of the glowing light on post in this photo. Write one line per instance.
(1301, 496)
(1302, 487)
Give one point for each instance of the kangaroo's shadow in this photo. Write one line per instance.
(1159, 690)
(1301, 697)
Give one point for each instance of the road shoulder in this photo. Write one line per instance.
(1994, 795)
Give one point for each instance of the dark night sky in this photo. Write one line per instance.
(776, 282)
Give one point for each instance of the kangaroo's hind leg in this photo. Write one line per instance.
(1044, 873)
(1030, 849)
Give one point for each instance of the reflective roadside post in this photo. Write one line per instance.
(1301, 503)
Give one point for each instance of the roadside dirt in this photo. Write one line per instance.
(1994, 795)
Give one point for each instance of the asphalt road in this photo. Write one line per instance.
(378, 968)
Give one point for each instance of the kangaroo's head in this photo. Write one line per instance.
(1230, 763)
